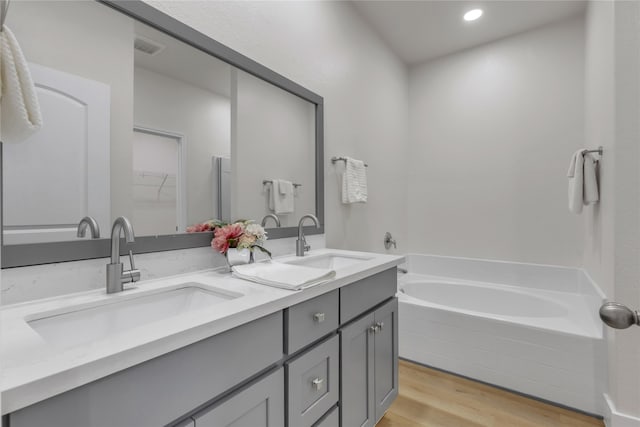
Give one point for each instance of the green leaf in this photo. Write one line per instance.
(262, 249)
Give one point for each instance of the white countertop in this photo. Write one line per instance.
(32, 370)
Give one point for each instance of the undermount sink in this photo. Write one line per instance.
(85, 324)
(330, 261)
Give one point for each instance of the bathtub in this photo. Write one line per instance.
(528, 328)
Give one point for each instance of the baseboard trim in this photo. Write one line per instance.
(613, 418)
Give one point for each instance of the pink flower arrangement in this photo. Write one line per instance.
(241, 235)
(227, 237)
(209, 225)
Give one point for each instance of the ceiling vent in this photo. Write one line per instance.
(148, 46)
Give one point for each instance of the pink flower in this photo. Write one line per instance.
(227, 236)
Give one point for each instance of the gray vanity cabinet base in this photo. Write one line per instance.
(369, 366)
(313, 381)
(311, 320)
(164, 389)
(357, 368)
(363, 295)
(330, 420)
(386, 357)
(260, 405)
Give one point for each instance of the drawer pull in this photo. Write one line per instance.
(317, 383)
(318, 317)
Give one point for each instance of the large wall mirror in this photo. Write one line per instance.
(146, 118)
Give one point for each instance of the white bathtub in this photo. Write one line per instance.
(529, 328)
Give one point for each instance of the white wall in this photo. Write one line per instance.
(328, 48)
(201, 116)
(491, 133)
(273, 138)
(612, 249)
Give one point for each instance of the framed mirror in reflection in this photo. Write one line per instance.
(140, 123)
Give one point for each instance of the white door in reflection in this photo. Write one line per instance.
(158, 199)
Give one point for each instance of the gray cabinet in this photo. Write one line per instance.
(260, 405)
(311, 320)
(166, 388)
(369, 366)
(332, 419)
(313, 383)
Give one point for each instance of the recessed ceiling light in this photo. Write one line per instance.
(473, 14)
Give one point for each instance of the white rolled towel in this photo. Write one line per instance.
(20, 114)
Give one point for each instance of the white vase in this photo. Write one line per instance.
(237, 256)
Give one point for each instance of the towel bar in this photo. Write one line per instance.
(268, 181)
(335, 159)
(599, 150)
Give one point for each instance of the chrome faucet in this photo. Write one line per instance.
(116, 276)
(88, 221)
(301, 243)
(272, 216)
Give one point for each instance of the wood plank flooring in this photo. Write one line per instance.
(430, 398)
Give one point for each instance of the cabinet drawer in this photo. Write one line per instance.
(311, 320)
(364, 294)
(332, 419)
(259, 405)
(313, 383)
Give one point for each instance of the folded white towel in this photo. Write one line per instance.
(280, 275)
(583, 183)
(591, 193)
(20, 114)
(354, 182)
(281, 197)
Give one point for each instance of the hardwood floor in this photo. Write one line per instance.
(430, 398)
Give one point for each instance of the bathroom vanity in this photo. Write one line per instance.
(324, 356)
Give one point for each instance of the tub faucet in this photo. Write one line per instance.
(88, 221)
(301, 243)
(116, 276)
(272, 216)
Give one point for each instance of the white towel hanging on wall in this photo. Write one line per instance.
(20, 114)
(583, 182)
(354, 182)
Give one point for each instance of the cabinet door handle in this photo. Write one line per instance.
(380, 326)
(318, 317)
(316, 383)
(374, 328)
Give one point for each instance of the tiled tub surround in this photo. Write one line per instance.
(33, 370)
(529, 328)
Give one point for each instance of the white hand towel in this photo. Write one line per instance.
(354, 182)
(280, 275)
(583, 182)
(20, 114)
(591, 194)
(281, 199)
(576, 181)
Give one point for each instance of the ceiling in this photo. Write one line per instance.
(183, 62)
(418, 31)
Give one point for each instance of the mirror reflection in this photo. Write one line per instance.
(139, 124)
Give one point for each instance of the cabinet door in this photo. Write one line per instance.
(260, 405)
(386, 356)
(357, 407)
